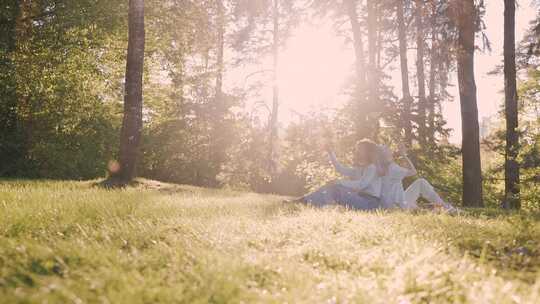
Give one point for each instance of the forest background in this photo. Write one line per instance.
(213, 114)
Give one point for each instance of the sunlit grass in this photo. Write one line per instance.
(72, 242)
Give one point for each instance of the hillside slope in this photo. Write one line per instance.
(73, 242)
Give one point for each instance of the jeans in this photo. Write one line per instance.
(338, 194)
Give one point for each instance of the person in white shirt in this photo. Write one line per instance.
(392, 192)
(363, 188)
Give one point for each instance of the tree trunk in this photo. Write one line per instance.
(372, 44)
(25, 107)
(406, 91)
(275, 91)
(219, 108)
(360, 63)
(420, 72)
(220, 51)
(511, 166)
(133, 100)
(379, 47)
(472, 172)
(380, 38)
(373, 75)
(432, 79)
(360, 68)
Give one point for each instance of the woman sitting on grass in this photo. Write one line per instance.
(363, 189)
(392, 192)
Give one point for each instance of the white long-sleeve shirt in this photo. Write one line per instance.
(392, 191)
(365, 180)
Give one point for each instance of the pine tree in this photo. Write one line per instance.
(465, 13)
(511, 166)
(133, 99)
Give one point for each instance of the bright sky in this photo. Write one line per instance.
(316, 64)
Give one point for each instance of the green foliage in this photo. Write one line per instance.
(189, 128)
(529, 92)
(252, 35)
(160, 243)
(246, 163)
(59, 116)
(529, 153)
(10, 139)
(441, 171)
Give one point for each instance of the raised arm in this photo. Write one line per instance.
(368, 175)
(412, 169)
(410, 166)
(341, 169)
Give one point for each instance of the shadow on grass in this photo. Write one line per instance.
(111, 183)
(496, 213)
(145, 184)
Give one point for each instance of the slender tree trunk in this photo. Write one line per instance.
(406, 91)
(220, 51)
(378, 70)
(275, 90)
(25, 107)
(360, 68)
(472, 170)
(373, 75)
(380, 40)
(432, 79)
(217, 118)
(372, 43)
(420, 76)
(133, 100)
(511, 166)
(360, 61)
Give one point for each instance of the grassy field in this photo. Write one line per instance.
(63, 242)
